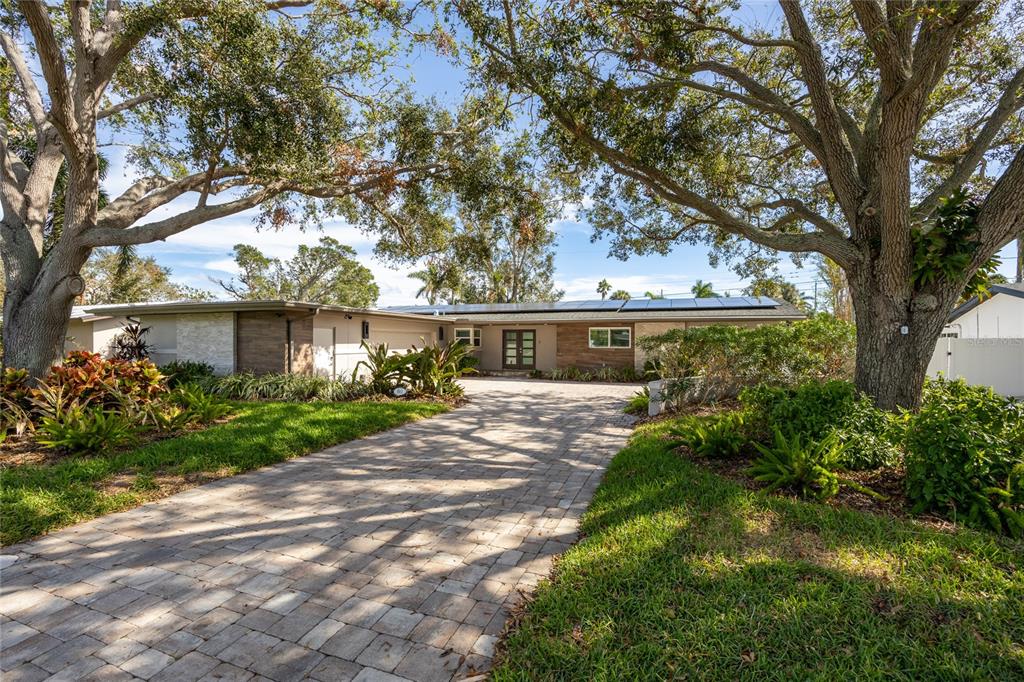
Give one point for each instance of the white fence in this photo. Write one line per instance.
(998, 363)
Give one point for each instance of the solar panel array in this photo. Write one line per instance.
(634, 305)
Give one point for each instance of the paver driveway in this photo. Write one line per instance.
(392, 557)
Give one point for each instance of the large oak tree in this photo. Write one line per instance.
(224, 106)
(840, 131)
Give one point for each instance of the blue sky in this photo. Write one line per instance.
(202, 254)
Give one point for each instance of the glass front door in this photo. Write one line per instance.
(518, 348)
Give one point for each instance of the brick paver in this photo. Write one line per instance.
(394, 557)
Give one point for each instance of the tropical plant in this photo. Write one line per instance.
(620, 295)
(604, 288)
(198, 405)
(808, 468)
(639, 402)
(86, 429)
(716, 436)
(387, 370)
(131, 343)
(284, 387)
(433, 370)
(702, 289)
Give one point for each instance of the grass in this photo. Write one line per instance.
(35, 499)
(684, 575)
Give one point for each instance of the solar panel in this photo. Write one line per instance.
(635, 304)
(659, 304)
(683, 304)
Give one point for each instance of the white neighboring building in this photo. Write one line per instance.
(984, 342)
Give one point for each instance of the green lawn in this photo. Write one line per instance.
(37, 499)
(685, 575)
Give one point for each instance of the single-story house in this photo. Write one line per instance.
(983, 342)
(287, 336)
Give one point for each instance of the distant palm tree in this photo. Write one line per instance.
(703, 289)
(435, 284)
(603, 287)
(621, 295)
(652, 295)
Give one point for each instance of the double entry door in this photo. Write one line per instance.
(518, 348)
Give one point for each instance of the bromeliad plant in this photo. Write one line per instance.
(713, 437)
(431, 370)
(807, 468)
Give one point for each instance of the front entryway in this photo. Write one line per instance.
(518, 348)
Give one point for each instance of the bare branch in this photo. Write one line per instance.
(746, 40)
(892, 58)
(803, 212)
(149, 194)
(1001, 217)
(125, 105)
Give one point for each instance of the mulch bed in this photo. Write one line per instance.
(887, 480)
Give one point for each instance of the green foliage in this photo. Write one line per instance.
(81, 429)
(813, 410)
(964, 451)
(716, 436)
(432, 370)
(122, 276)
(607, 374)
(808, 468)
(90, 379)
(722, 359)
(327, 273)
(15, 403)
(180, 372)
(945, 247)
(639, 402)
(197, 405)
(286, 387)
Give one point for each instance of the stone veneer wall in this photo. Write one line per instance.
(207, 337)
(574, 347)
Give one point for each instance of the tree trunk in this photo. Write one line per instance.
(895, 342)
(35, 324)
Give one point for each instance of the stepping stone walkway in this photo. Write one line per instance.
(394, 557)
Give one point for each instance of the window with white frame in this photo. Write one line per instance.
(610, 337)
(468, 336)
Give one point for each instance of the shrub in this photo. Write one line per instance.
(717, 436)
(432, 370)
(808, 468)
(965, 450)
(179, 372)
(91, 379)
(15, 403)
(725, 358)
(81, 429)
(815, 409)
(607, 374)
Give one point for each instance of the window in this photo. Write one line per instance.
(470, 337)
(610, 337)
(366, 329)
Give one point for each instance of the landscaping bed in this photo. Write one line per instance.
(42, 496)
(683, 573)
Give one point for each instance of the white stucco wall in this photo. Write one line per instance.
(207, 337)
(346, 336)
(1000, 317)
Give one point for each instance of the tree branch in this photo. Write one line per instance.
(149, 194)
(1009, 102)
(1001, 217)
(839, 162)
(125, 105)
(51, 59)
(162, 229)
(29, 89)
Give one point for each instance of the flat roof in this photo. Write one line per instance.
(174, 307)
(720, 308)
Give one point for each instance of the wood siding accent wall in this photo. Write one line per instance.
(262, 342)
(261, 339)
(574, 347)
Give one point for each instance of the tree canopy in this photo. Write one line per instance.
(841, 131)
(326, 273)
